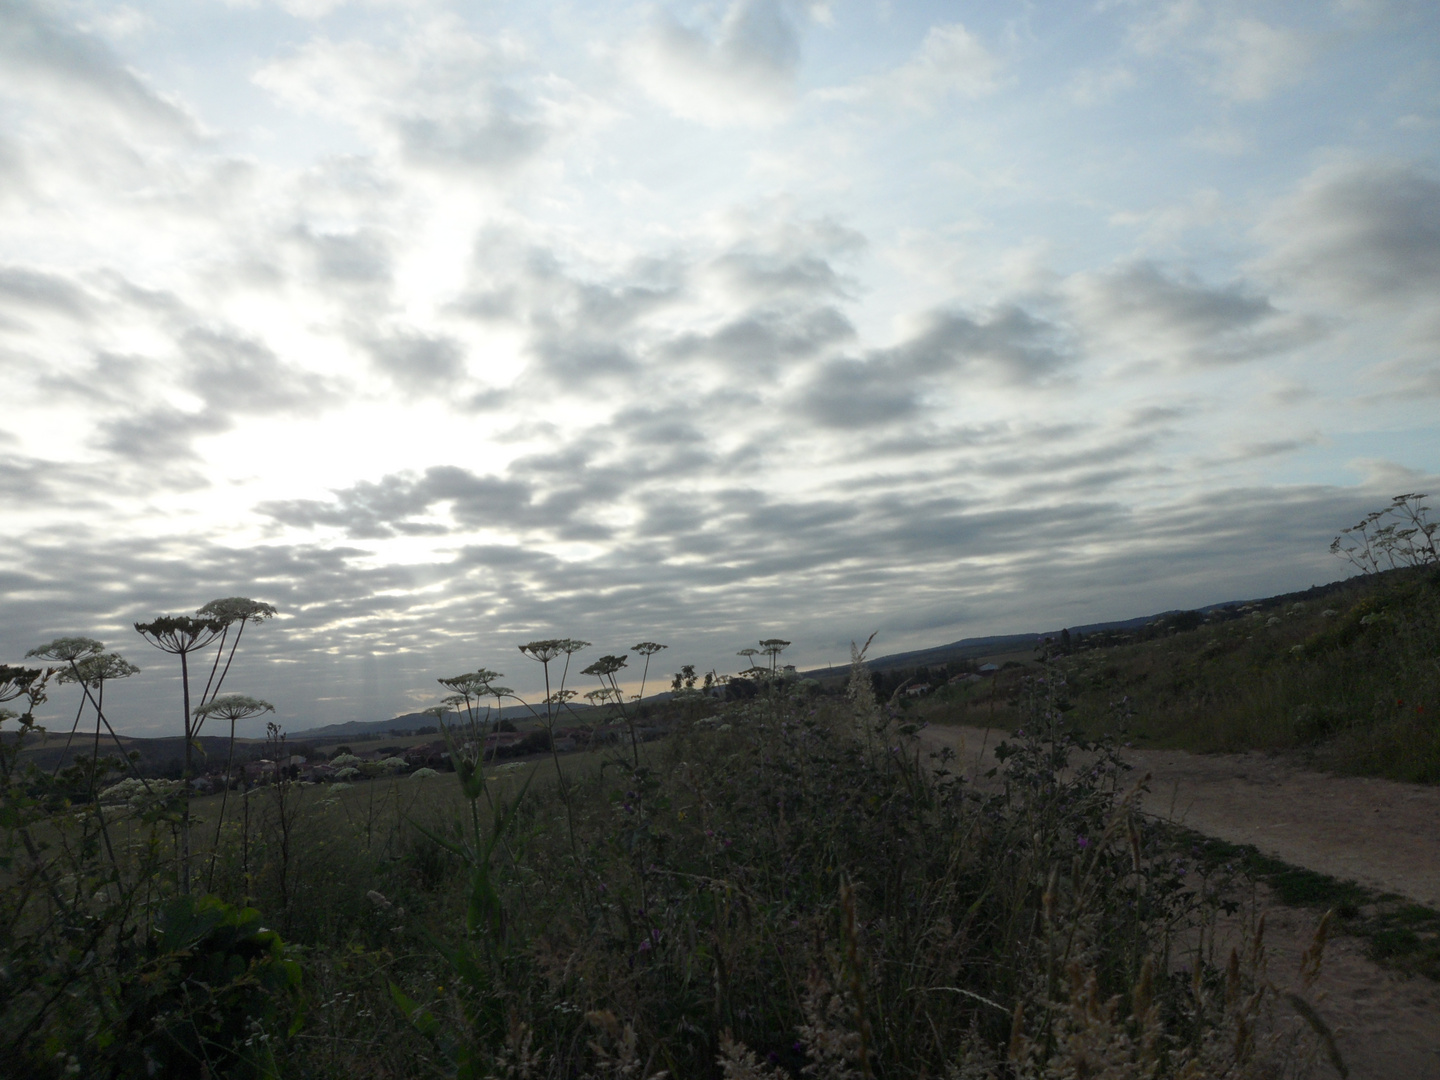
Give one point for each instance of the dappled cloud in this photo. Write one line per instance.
(446, 328)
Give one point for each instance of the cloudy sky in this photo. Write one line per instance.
(445, 326)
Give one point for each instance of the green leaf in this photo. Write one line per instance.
(423, 1020)
(449, 845)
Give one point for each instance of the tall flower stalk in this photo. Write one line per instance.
(73, 652)
(773, 647)
(646, 649)
(181, 635)
(604, 669)
(231, 707)
(94, 672)
(236, 611)
(469, 689)
(543, 652)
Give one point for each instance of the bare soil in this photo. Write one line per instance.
(1380, 833)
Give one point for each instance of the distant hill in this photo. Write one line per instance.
(964, 649)
(399, 725)
(975, 648)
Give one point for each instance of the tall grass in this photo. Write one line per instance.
(786, 886)
(1351, 676)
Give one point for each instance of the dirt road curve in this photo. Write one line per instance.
(1377, 832)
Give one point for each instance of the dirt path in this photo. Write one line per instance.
(1377, 832)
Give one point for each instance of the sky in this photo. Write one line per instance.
(447, 326)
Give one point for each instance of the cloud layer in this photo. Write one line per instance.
(445, 330)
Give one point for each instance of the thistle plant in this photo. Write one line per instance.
(181, 635)
(231, 707)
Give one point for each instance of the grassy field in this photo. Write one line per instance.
(782, 887)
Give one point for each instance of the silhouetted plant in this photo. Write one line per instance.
(73, 652)
(773, 647)
(605, 670)
(94, 672)
(181, 635)
(646, 649)
(236, 611)
(570, 646)
(470, 688)
(230, 707)
(1402, 534)
(543, 652)
(285, 806)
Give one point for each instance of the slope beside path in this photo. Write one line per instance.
(1377, 832)
(1380, 833)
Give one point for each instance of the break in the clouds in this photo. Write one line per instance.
(446, 326)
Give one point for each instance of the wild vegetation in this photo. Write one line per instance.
(784, 885)
(1348, 673)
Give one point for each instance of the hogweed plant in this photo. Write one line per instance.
(231, 707)
(237, 612)
(605, 669)
(74, 651)
(773, 647)
(472, 688)
(646, 649)
(1400, 535)
(94, 672)
(108, 970)
(181, 635)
